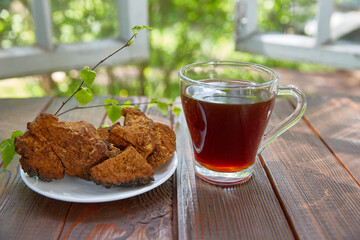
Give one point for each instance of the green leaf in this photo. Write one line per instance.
(135, 30)
(152, 102)
(126, 104)
(176, 110)
(144, 26)
(7, 149)
(88, 76)
(163, 108)
(130, 42)
(16, 134)
(105, 125)
(113, 111)
(110, 101)
(84, 96)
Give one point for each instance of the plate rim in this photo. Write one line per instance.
(98, 199)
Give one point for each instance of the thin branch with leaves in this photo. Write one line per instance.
(88, 76)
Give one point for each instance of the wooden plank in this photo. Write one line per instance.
(341, 54)
(15, 113)
(94, 116)
(34, 60)
(41, 13)
(24, 214)
(245, 18)
(147, 216)
(44, 58)
(341, 24)
(341, 130)
(324, 11)
(143, 217)
(319, 196)
(130, 14)
(205, 211)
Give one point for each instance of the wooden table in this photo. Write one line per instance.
(305, 186)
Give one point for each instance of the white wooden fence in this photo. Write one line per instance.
(46, 57)
(322, 48)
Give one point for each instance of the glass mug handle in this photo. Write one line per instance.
(290, 120)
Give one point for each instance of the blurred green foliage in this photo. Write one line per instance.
(184, 31)
(286, 16)
(16, 26)
(83, 20)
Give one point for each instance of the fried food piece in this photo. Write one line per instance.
(128, 169)
(104, 132)
(75, 144)
(134, 117)
(165, 144)
(138, 136)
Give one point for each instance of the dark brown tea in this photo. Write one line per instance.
(226, 128)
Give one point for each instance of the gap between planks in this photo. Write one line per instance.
(144, 108)
(277, 194)
(273, 185)
(312, 128)
(71, 203)
(272, 181)
(43, 110)
(64, 220)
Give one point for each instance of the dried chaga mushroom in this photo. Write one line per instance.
(104, 132)
(49, 149)
(128, 169)
(164, 144)
(138, 136)
(134, 116)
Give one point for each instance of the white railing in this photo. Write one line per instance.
(46, 57)
(325, 47)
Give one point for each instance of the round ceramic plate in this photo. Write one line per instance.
(73, 189)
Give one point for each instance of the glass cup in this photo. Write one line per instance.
(227, 106)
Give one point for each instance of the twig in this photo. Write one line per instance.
(101, 105)
(127, 44)
(63, 103)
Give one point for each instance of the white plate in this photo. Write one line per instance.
(73, 189)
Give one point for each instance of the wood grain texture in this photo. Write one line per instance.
(316, 191)
(24, 213)
(143, 217)
(94, 116)
(337, 121)
(27, 214)
(206, 211)
(15, 113)
(147, 216)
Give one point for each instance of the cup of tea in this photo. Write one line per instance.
(227, 106)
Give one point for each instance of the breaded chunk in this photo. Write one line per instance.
(165, 144)
(134, 117)
(75, 144)
(138, 136)
(127, 169)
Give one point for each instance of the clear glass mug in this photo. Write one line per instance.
(227, 106)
